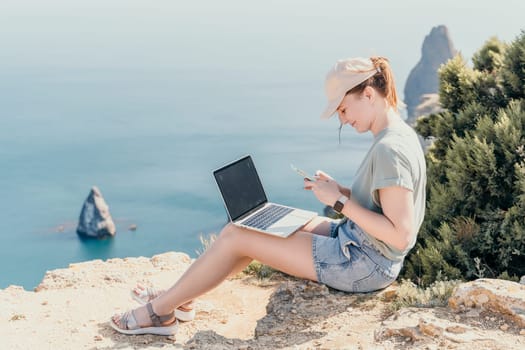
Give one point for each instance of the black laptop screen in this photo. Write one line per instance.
(240, 187)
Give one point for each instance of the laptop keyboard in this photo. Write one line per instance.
(267, 217)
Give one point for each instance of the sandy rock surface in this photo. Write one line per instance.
(70, 309)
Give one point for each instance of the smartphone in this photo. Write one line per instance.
(302, 173)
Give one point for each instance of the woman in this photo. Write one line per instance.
(382, 211)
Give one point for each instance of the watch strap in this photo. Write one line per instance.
(340, 203)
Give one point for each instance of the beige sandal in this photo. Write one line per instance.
(146, 295)
(128, 323)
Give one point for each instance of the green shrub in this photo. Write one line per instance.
(474, 225)
(259, 270)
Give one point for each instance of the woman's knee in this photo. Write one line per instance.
(229, 233)
(236, 238)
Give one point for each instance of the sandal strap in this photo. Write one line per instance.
(156, 319)
(152, 293)
(128, 320)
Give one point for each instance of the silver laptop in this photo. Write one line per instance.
(247, 205)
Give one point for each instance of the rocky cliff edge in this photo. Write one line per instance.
(71, 307)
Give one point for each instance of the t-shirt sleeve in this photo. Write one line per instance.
(390, 168)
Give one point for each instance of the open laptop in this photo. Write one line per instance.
(248, 206)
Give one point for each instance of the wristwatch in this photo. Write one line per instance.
(340, 203)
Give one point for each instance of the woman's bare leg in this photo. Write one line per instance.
(241, 265)
(234, 248)
(320, 225)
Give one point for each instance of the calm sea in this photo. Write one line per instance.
(145, 99)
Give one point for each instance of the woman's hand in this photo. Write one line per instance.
(325, 188)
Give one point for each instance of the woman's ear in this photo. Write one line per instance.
(369, 93)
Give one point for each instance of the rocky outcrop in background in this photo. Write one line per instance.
(95, 220)
(423, 78)
(70, 309)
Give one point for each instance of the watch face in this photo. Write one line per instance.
(338, 206)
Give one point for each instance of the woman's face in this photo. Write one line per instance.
(357, 111)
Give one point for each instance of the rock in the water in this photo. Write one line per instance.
(423, 78)
(95, 220)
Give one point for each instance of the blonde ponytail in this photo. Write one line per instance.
(388, 85)
(382, 81)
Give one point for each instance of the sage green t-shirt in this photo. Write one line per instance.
(395, 159)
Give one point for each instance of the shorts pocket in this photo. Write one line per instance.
(346, 245)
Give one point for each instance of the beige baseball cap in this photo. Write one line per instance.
(344, 76)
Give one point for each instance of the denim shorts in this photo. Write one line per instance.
(348, 261)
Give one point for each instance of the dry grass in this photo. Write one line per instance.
(206, 242)
(437, 294)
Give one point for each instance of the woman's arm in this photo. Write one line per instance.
(394, 227)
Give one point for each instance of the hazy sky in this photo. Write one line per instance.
(281, 37)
